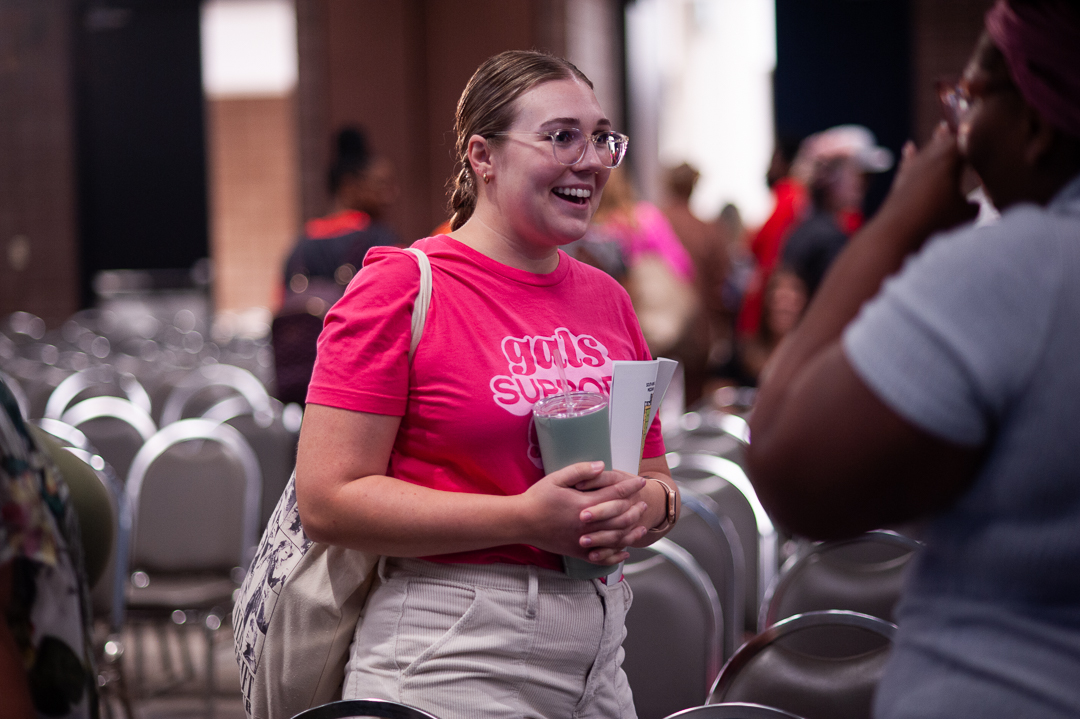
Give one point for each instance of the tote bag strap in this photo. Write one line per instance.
(423, 299)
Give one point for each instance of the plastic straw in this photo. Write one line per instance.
(562, 376)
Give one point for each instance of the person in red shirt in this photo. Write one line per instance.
(857, 148)
(791, 202)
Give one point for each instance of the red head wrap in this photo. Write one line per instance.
(1041, 45)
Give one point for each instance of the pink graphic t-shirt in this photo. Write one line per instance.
(486, 356)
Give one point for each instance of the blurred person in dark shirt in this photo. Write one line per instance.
(362, 186)
(327, 255)
(838, 161)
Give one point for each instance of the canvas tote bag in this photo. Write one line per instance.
(664, 303)
(295, 614)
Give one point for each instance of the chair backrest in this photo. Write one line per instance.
(107, 595)
(674, 630)
(274, 444)
(819, 665)
(726, 483)
(92, 501)
(713, 432)
(863, 574)
(195, 487)
(38, 381)
(733, 710)
(226, 376)
(713, 541)
(228, 408)
(115, 426)
(347, 708)
(67, 435)
(102, 380)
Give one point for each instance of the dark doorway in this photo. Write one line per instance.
(845, 61)
(142, 158)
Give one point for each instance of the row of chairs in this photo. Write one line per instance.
(180, 528)
(116, 415)
(812, 663)
(191, 482)
(827, 624)
(724, 552)
(697, 592)
(358, 708)
(819, 628)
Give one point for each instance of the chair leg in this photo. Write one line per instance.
(140, 659)
(104, 705)
(113, 677)
(115, 691)
(185, 648)
(210, 627)
(166, 653)
(125, 694)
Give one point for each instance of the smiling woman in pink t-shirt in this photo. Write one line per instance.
(433, 463)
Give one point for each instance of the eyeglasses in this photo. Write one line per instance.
(569, 145)
(957, 97)
(955, 101)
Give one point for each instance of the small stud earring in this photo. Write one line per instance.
(485, 178)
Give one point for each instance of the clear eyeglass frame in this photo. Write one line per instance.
(569, 144)
(955, 102)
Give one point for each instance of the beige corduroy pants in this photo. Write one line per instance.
(491, 642)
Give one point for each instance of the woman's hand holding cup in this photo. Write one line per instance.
(613, 525)
(584, 511)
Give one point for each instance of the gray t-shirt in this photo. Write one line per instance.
(977, 341)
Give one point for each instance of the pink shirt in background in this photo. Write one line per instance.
(485, 358)
(653, 235)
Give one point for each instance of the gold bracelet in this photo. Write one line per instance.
(670, 507)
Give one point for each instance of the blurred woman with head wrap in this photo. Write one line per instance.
(950, 389)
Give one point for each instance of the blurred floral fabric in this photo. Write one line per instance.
(48, 612)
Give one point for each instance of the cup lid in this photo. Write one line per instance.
(576, 404)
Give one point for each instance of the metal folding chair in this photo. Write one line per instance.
(104, 380)
(117, 427)
(819, 665)
(195, 486)
(347, 708)
(863, 574)
(726, 483)
(674, 630)
(711, 538)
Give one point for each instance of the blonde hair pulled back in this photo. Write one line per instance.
(486, 107)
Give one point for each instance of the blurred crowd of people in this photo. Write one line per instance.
(716, 295)
(712, 293)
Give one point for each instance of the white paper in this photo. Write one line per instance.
(637, 388)
(664, 372)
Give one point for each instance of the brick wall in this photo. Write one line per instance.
(254, 213)
(397, 69)
(38, 255)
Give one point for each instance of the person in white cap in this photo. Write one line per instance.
(833, 165)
